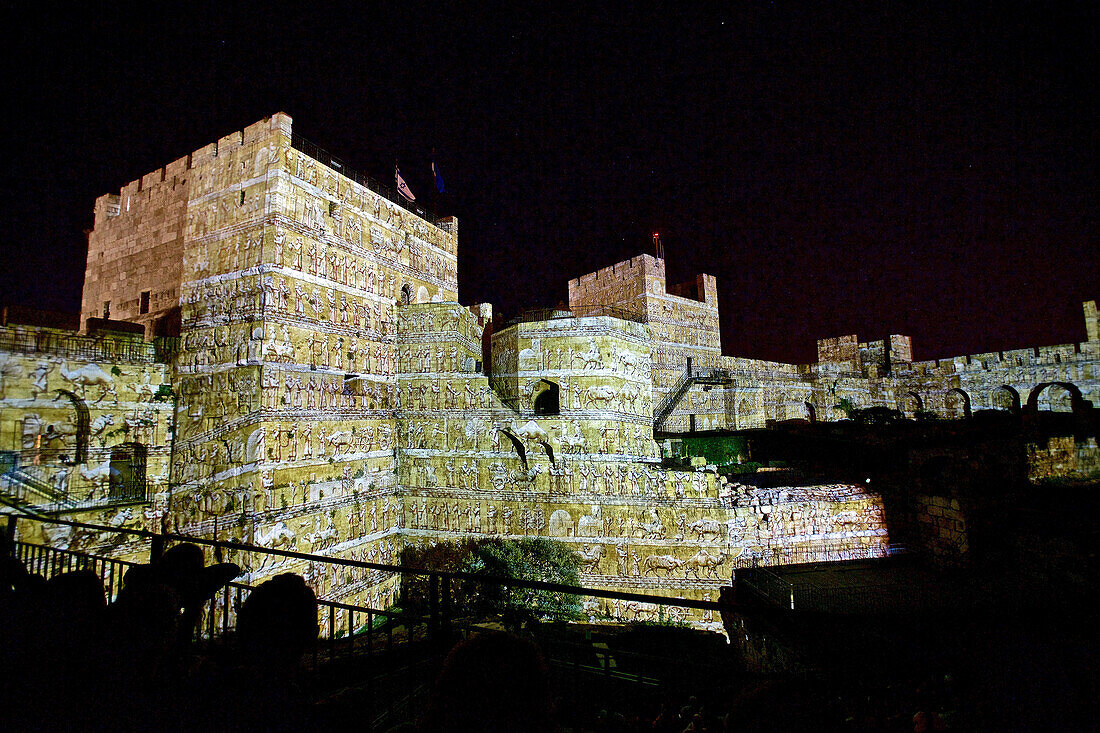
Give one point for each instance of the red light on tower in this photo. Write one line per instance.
(657, 245)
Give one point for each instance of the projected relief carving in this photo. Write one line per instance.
(330, 395)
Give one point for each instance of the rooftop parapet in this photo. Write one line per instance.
(104, 347)
(448, 224)
(635, 267)
(174, 174)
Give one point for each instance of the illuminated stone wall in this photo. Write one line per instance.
(497, 457)
(288, 372)
(1064, 458)
(682, 319)
(44, 374)
(331, 399)
(136, 247)
(943, 528)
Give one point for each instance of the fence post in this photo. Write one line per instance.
(156, 548)
(433, 608)
(445, 612)
(10, 531)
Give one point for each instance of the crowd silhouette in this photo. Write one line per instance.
(71, 661)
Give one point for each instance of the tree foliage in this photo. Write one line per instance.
(720, 450)
(530, 558)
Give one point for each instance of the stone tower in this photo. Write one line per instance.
(286, 273)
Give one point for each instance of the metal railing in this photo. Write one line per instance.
(441, 583)
(815, 552)
(50, 561)
(391, 655)
(19, 488)
(668, 404)
(690, 377)
(24, 482)
(530, 315)
(802, 593)
(89, 348)
(389, 193)
(769, 586)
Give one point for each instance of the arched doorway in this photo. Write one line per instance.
(1006, 399)
(956, 404)
(406, 294)
(911, 404)
(1055, 397)
(546, 398)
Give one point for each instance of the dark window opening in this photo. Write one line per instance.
(144, 301)
(546, 402)
(128, 463)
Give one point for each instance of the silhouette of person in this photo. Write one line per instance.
(491, 682)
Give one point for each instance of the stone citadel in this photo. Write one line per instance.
(328, 393)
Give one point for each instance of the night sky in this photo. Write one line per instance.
(870, 170)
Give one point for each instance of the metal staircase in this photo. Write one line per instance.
(710, 376)
(20, 487)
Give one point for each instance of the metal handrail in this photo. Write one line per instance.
(54, 500)
(91, 348)
(770, 586)
(446, 576)
(668, 404)
(14, 465)
(343, 635)
(706, 375)
(387, 192)
(407, 645)
(530, 315)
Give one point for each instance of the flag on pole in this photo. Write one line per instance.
(402, 187)
(437, 178)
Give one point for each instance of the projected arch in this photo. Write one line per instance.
(1006, 399)
(83, 422)
(910, 404)
(1055, 397)
(956, 404)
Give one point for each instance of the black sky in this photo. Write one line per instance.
(860, 169)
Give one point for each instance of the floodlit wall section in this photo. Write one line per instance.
(123, 477)
(330, 400)
(289, 361)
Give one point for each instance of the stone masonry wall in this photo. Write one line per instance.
(1064, 458)
(136, 246)
(943, 528)
(329, 401)
(124, 391)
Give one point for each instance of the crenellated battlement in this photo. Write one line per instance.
(151, 186)
(634, 268)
